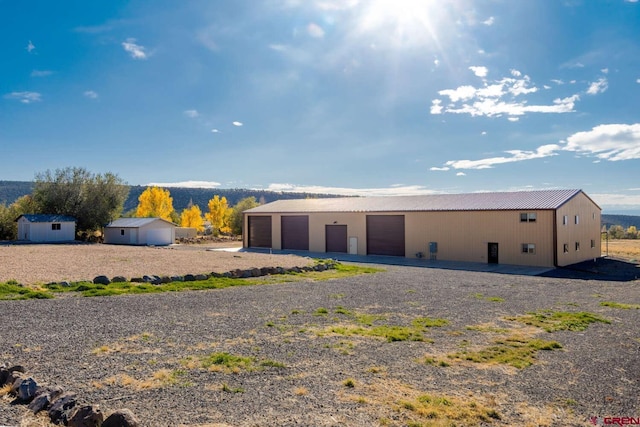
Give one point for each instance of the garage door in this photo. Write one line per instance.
(385, 235)
(336, 238)
(159, 236)
(259, 231)
(295, 232)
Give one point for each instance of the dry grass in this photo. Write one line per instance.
(625, 248)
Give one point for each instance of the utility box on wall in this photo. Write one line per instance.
(433, 250)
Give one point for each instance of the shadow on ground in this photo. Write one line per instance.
(605, 268)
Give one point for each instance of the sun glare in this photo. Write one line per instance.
(403, 22)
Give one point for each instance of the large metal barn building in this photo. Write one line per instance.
(538, 228)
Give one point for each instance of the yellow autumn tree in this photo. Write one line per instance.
(155, 202)
(192, 217)
(218, 214)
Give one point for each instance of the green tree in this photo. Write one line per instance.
(616, 232)
(632, 232)
(9, 214)
(236, 222)
(155, 202)
(92, 199)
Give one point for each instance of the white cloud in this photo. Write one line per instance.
(611, 142)
(515, 156)
(558, 82)
(215, 131)
(237, 124)
(479, 71)
(489, 22)
(41, 73)
(598, 86)
(605, 71)
(30, 47)
(191, 113)
(638, 81)
(315, 30)
(437, 169)
(500, 97)
(185, 184)
(513, 119)
(396, 190)
(135, 50)
(90, 94)
(436, 107)
(461, 174)
(278, 47)
(25, 97)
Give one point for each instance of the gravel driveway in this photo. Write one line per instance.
(148, 353)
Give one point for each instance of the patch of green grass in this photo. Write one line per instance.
(349, 383)
(435, 362)
(552, 321)
(620, 305)
(342, 310)
(321, 311)
(487, 328)
(514, 351)
(368, 319)
(232, 363)
(390, 333)
(12, 290)
(228, 389)
(492, 299)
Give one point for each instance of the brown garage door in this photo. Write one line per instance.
(259, 231)
(295, 232)
(336, 238)
(385, 235)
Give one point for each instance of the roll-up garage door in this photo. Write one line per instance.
(259, 231)
(295, 232)
(336, 238)
(385, 235)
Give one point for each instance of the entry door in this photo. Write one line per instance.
(353, 246)
(492, 253)
(336, 238)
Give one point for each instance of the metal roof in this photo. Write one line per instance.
(520, 200)
(47, 218)
(134, 222)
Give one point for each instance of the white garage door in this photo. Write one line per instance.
(159, 236)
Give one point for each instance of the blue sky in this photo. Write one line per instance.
(362, 97)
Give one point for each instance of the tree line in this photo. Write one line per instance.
(619, 232)
(94, 200)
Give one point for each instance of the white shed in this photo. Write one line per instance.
(140, 231)
(44, 228)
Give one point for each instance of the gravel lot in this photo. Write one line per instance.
(145, 352)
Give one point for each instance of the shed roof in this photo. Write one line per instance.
(47, 218)
(135, 222)
(531, 200)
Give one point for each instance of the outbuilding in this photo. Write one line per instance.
(140, 231)
(44, 228)
(538, 228)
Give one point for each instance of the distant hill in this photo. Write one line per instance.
(624, 220)
(10, 191)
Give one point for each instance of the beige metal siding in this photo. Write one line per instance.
(583, 233)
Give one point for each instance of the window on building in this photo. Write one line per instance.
(528, 248)
(122, 232)
(55, 226)
(565, 220)
(565, 248)
(593, 243)
(528, 217)
(577, 246)
(577, 219)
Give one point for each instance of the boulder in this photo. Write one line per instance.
(201, 277)
(177, 279)
(86, 416)
(121, 418)
(189, 278)
(101, 280)
(119, 279)
(60, 409)
(44, 397)
(27, 390)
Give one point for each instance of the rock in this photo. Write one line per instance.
(101, 280)
(60, 408)
(44, 397)
(137, 280)
(27, 390)
(177, 279)
(201, 277)
(86, 416)
(119, 279)
(189, 278)
(3, 375)
(121, 418)
(165, 279)
(255, 272)
(15, 379)
(17, 368)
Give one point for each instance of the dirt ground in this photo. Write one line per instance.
(42, 263)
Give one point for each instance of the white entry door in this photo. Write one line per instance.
(353, 245)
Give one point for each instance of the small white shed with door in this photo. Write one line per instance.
(140, 231)
(45, 228)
